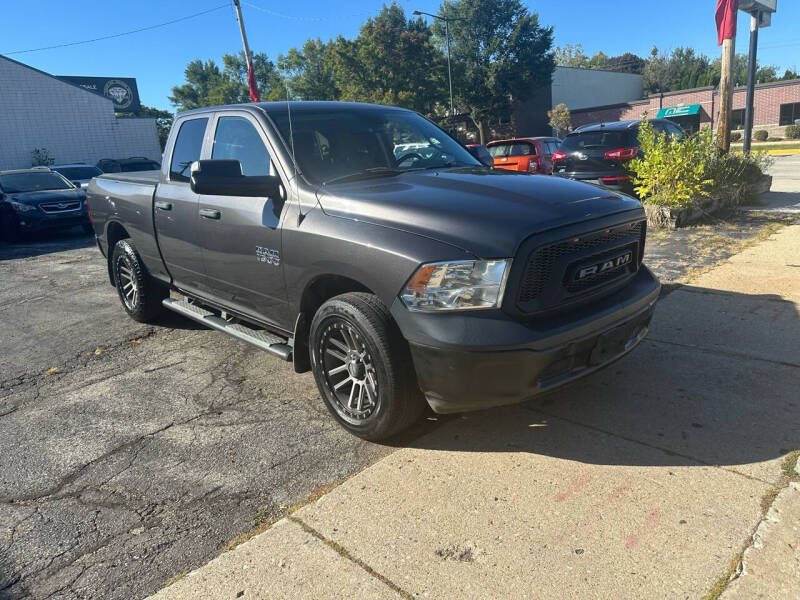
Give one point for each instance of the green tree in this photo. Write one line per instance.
(164, 120)
(393, 60)
(571, 56)
(500, 54)
(560, 118)
(309, 71)
(208, 85)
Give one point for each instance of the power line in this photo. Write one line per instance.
(116, 35)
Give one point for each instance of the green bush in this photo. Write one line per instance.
(671, 172)
(736, 136)
(761, 135)
(793, 132)
(683, 173)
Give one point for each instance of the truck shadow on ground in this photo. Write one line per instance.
(46, 242)
(715, 383)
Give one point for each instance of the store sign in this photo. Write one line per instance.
(679, 111)
(122, 91)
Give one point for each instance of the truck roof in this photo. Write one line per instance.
(295, 105)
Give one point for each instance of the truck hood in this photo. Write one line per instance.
(488, 213)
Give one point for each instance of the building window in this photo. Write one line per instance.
(790, 113)
(737, 118)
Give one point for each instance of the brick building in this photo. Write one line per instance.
(776, 105)
(73, 124)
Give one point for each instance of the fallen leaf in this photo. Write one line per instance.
(52, 371)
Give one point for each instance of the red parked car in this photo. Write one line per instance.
(532, 155)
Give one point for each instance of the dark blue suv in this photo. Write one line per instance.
(38, 198)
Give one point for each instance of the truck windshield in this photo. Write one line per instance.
(18, 183)
(342, 143)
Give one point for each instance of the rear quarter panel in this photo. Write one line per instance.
(130, 204)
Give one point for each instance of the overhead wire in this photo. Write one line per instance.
(116, 35)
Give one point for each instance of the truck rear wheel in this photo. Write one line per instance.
(140, 294)
(363, 368)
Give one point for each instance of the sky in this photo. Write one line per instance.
(157, 57)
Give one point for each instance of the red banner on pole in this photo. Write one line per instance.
(726, 19)
(251, 82)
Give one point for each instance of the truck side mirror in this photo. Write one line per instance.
(223, 177)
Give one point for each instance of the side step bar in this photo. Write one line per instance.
(258, 338)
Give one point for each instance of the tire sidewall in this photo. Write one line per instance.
(377, 422)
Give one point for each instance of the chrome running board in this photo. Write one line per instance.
(259, 338)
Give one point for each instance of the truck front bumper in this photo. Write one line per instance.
(481, 359)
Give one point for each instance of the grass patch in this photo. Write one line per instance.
(768, 146)
(723, 580)
(789, 466)
(264, 520)
(174, 579)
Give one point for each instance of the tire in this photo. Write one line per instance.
(353, 337)
(9, 227)
(140, 294)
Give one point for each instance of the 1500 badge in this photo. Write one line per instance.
(268, 255)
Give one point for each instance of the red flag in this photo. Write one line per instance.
(251, 82)
(726, 19)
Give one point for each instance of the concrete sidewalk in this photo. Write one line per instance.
(646, 480)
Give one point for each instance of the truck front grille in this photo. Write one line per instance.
(548, 278)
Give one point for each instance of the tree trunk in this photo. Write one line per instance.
(481, 125)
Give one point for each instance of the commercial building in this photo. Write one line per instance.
(775, 105)
(72, 124)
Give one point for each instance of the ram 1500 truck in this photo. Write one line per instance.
(363, 243)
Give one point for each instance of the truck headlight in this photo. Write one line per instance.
(457, 285)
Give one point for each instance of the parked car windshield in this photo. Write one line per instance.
(78, 173)
(512, 149)
(337, 143)
(595, 139)
(12, 183)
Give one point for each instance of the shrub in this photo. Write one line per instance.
(671, 172)
(792, 132)
(761, 135)
(736, 136)
(731, 174)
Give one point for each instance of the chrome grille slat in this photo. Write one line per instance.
(59, 207)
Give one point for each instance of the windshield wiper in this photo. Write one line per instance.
(366, 174)
(448, 165)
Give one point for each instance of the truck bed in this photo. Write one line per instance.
(133, 177)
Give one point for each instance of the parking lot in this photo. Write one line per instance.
(134, 453)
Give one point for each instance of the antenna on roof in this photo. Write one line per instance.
(300, 215)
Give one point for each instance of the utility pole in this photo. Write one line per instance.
(248, 57)
(726, 94)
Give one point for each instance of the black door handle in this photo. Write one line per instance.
(163, 205)
(209, 213)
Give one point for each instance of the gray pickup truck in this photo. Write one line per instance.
(363, 243)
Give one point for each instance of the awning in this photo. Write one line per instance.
(679, 111)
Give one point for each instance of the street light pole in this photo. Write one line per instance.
(449, 71)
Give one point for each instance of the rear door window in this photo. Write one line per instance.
(513, 149)
(187, 149)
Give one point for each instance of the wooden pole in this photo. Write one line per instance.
(726, 94)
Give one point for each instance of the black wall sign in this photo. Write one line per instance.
(121, 91)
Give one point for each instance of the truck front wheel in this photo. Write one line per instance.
(140, 294)
(363, 368)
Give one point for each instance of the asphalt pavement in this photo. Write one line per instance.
(133, 453)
